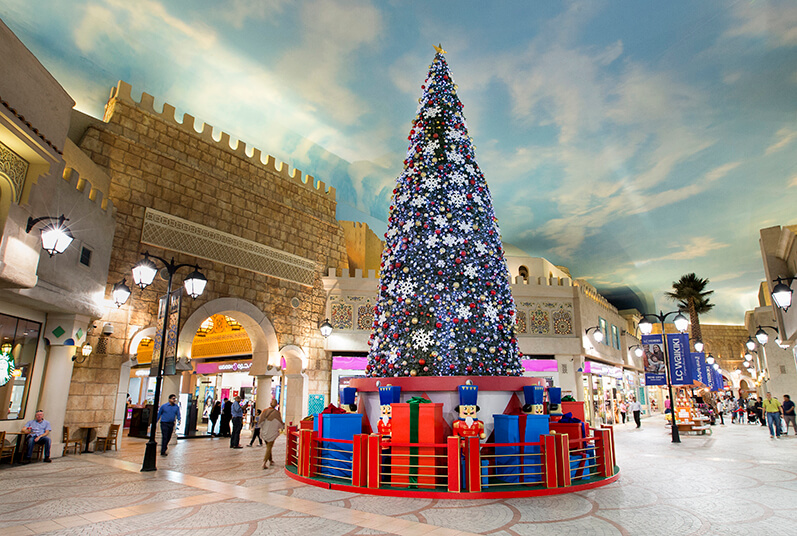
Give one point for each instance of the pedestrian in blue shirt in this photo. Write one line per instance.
(38, 431)
(237, 423)
(168, 414)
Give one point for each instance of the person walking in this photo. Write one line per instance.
(788, 414)
(226, 416)
(237, 412)
(215, 411)
(759, 411)
(636, 408)
(256, 431)
(771, 407)
(623, 410)
(168, 414)
(271, 425)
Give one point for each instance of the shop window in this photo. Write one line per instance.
(19, 339)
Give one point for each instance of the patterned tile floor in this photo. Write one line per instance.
(736, 481)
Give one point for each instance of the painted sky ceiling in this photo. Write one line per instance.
(630, 141)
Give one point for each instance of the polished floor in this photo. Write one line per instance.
(736, 481)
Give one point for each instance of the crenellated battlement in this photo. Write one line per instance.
(94, 195)
(592, 293)
(122, 93)
(358, 274)
(541, 281)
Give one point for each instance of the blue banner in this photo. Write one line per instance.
(700, 373)
(680, 361)
(653, 360)
(719, 380)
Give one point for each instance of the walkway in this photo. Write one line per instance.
(737, 481)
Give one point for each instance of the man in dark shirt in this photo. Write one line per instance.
(168, 414)
(237, 423)
(226, 415)
(788, 414)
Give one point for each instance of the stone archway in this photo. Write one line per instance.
(265, 348)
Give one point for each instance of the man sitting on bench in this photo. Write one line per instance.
(38, 431)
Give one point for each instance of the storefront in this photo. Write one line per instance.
(603, 389)
(19, 339)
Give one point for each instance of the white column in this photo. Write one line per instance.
(294, 390)
(569, 377)
(263, 391)
(55, 392)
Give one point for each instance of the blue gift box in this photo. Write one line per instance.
(508, 430)
(338, 426)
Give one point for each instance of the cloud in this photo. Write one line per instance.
(317, 69)
(784, 137)
(698, 246)
(774, 21)
(237, 12)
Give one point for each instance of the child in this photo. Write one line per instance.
(256, 432)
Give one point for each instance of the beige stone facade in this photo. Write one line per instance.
(156, 163)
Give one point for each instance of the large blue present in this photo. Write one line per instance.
(337, 457)
(514, 464)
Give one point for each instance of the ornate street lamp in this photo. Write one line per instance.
(55, 236)
(144, 273)
(120, 292)
(681, 324)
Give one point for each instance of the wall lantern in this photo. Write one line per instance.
(55, 236)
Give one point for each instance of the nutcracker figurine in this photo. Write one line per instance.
(347, 402)
(388, 394)
(554, 401)
(533, 394)
(468, 425)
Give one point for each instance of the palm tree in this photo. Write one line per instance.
(691, 294)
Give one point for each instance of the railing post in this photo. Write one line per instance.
(374, 457)
(290, 447)
(359, 458)
(453, 453)
(549, 455)
(306, 449)
(603, 452)
(473, 464)
(562, 448)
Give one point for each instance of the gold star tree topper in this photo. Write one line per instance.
(439, 49)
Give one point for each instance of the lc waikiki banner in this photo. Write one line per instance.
(701, 370)
(682, 370)
(653, 360)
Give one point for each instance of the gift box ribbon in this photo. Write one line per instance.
(415, 403)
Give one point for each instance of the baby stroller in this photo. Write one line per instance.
(751, 416)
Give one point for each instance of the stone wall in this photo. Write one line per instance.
(155, 162)
(725, 342)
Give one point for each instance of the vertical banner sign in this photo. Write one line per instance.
(699, 368)
(653, 360)
(681, 369)
(156, 347)
(170, 358)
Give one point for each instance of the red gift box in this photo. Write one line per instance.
(422, 424)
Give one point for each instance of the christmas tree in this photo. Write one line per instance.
(444, 305)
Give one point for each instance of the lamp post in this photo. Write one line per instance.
(144, 273)
(646, 327)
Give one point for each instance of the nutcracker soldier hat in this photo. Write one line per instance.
(468, 394)
(389, 394)
(347, 397)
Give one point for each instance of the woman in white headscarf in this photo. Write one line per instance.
(270, 427)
